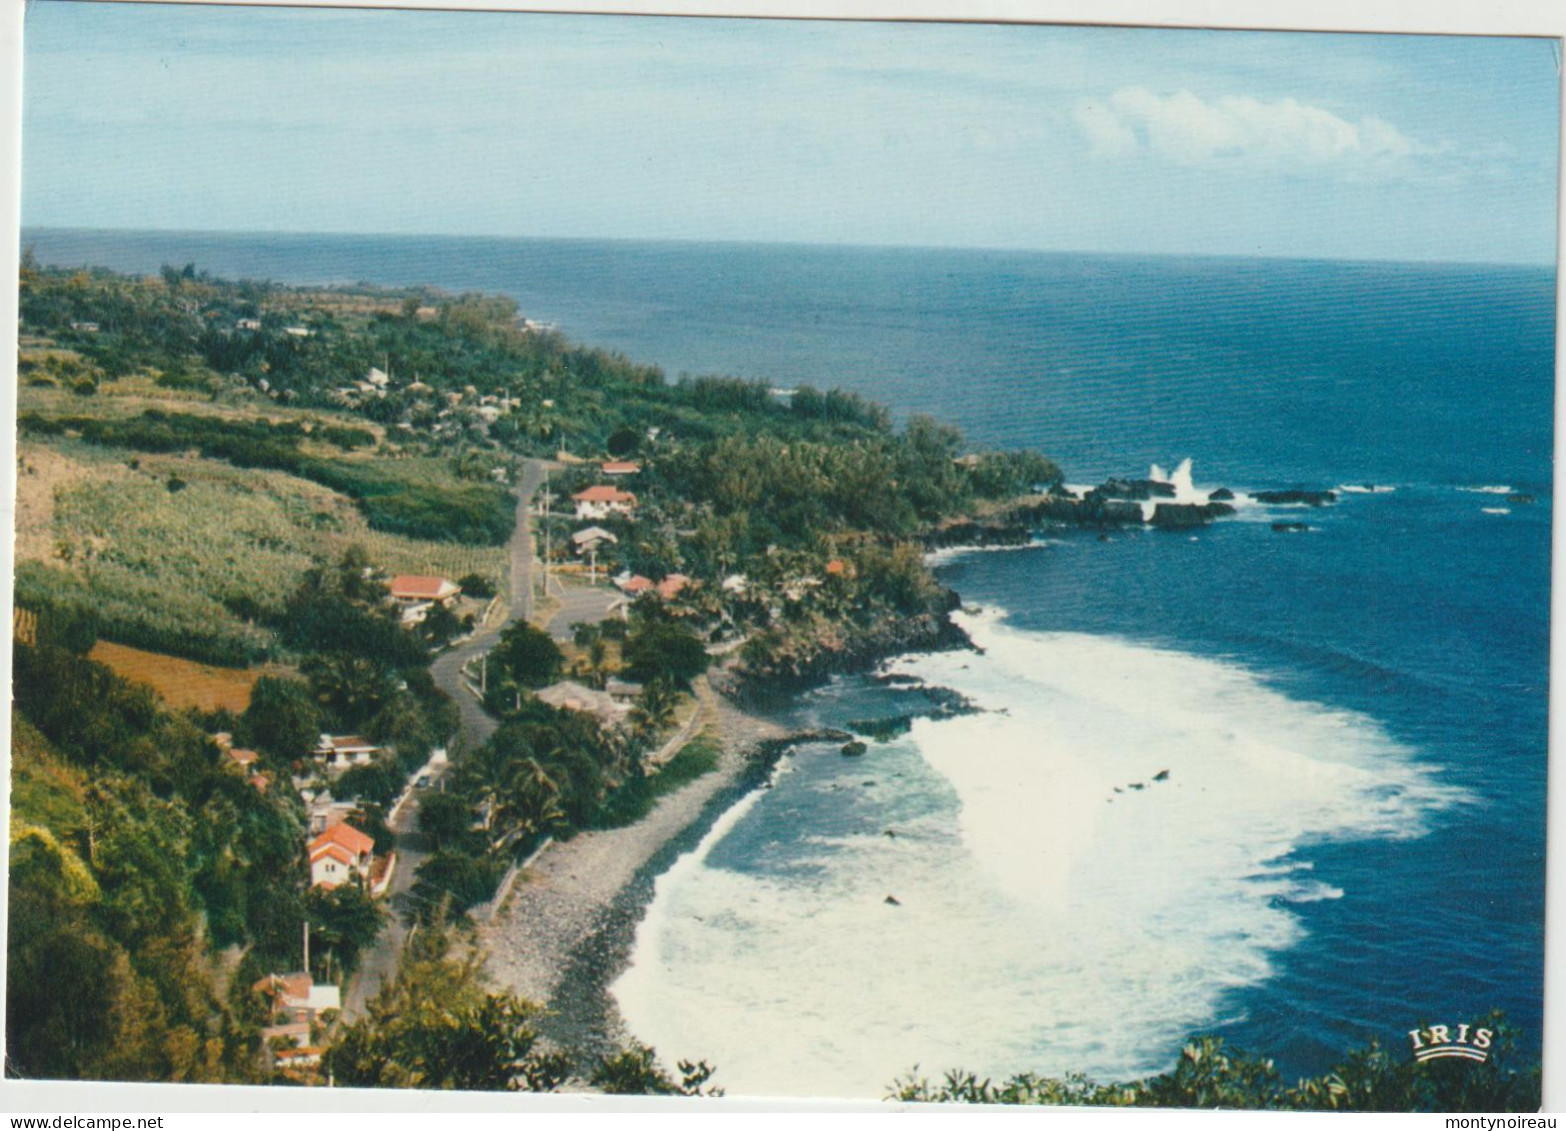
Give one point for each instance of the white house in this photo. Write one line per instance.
(339, 751)
(339, 855)
(602, 501)
(590, 538)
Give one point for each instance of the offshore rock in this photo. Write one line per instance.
(1287, 498)
(1135, 489)
(1222, 495)
(1183, 516)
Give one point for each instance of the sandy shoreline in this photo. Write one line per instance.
(567, 926)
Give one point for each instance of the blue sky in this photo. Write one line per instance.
(1099, 139)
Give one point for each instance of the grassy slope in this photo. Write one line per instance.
(228, 535)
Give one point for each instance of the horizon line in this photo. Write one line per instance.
(1553, 263)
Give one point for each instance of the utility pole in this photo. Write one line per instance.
(544, 522)
(307, 947)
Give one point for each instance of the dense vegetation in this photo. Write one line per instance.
(159, 880)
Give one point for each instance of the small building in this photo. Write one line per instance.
(240, 758)
(299, 331)
(377, 378)
(572, 696)
(602, 501)
(339, 751)
(622, 690)
(85, 327)
(588, 540)
(673, 585)
(621, 467)
(297, 997)
(414, 589)
(248, 324)
(635, 585)
(322, 811)
(340, 855)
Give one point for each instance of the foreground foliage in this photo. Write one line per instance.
(437, 1024)
(1209, 1074)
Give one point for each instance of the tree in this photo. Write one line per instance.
(437, 1025)
(343, 921)
(634, 1071)
(449, 883)
(665, 650)
(653, 711)
(282, 719)
(531, 657)
(623, 441)
(476, 585)
(445, 818)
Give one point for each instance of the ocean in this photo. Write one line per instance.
(1288, 788)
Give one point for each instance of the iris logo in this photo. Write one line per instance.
(1438, 1041)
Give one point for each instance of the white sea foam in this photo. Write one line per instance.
(1497, 489)
(948, 554)
(1050, 915)
(1364, 489)
(1496, 510)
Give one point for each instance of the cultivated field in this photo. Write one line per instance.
(182, 683)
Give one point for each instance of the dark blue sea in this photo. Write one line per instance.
(1351, 721)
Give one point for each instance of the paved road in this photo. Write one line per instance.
(581, 606)
(447, 668)
(380, 961)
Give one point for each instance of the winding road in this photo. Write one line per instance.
(379, 963)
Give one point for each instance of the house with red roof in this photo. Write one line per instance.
(339, 855)
(673, 585)
(413, 589)
(602, 501)
(621, 467)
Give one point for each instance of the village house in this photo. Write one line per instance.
(418, 594)
(621, 467)
(588, 540)
(622, 690)
(322, 810)
(572, 696)
(236, 757)
(337, 752)
(296, 997)
(673, 585)
(602, 501)
(248, 324)
(635, 585)
(296, 1005)
(339, 855)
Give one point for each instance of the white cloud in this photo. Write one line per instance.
(1238, 130)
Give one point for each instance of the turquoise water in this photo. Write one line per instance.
(1351, 835)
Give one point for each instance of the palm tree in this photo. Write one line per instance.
(531, 802)
(654, 710)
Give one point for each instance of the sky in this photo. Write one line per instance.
(1091, 139)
